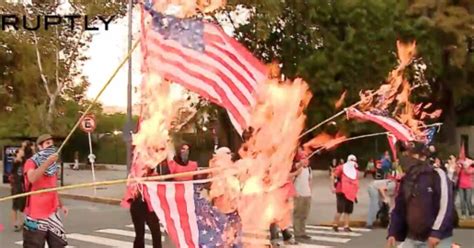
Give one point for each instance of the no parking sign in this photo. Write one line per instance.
(88, 124)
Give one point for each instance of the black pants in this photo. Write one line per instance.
(274, 233)
(140, 215)
(37, 239)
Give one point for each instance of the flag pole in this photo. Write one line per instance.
(128, 128)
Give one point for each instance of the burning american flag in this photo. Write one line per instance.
(198, 55)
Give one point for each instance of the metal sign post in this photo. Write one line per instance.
(88, 125)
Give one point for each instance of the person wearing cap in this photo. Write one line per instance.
(423, 215)
(224, 193)
(43, 223)
(346, 190)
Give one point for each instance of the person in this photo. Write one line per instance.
(181, 163)
(142, 213)
(346, 190)
(332, 166)
(370, 168)
(386, 164)
(290, 191)
(424, 209)
(76, 161)
(17, 187)
(466, 172)
(43, 222)
(380, 192)
(452, 171)
(302, 200)
(224, 193)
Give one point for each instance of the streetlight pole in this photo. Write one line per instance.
(128, 128)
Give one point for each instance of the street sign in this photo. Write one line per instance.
(88, 124)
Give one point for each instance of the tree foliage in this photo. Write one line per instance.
(350, 45)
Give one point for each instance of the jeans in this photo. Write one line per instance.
(410, 243)
(374, 205)
(300, 213)
(465, 196)
(140, 216)
(274, 233)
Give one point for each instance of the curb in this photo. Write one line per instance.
(463, 224)
(94, 199)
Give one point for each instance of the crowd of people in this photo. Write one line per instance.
(413, 196)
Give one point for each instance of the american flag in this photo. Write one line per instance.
(189, 219)
(430, 133)
(199, 55)
(392, 141)
(400, 131)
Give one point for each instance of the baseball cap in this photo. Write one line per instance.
(42, 138)
(223, 151)
(352, 158)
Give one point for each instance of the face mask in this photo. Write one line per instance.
(185, 156)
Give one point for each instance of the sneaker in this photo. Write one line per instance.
(303, 237)
(369, 227)
(290, 242)
(335, 228)
(274, 243)
(347, 229)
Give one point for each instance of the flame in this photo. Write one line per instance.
(152, 141)
(266, 158)
(187, 8)
(395, 95)
(341, 99)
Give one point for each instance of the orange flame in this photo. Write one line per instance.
(397, 92)
(266, 157)
(341, 99)
(187, 8)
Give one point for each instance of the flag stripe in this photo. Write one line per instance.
(170, 227)
(191, 208)
(173, 205)
(250, 60)
(200, 78)
(183, 214)
(169, 50)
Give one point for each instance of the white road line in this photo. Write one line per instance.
(147, 228)
(45, 245)
(329, 239)
(301, 245)
(102, 241)
(126, 233)
(340, 228)
(349, 234)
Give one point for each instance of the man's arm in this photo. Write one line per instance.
(397, 226)
(35, 174)
(444, 218)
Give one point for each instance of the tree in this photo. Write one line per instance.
(42, 66)
(350, 45)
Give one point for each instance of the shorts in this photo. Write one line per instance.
(343, 204)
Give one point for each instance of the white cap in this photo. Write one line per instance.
(351, 158)
(223, 151)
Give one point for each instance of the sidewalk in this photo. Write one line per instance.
(323, 205)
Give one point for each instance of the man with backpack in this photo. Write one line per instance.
(424, 208)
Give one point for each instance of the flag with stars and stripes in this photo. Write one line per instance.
(189, 219)
(201, 57)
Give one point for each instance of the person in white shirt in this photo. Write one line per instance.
(303, 198)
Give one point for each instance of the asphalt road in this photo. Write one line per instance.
(92, 225)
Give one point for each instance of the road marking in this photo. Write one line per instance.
(302, 245)
(102, 241)
(350, 234)
(45, 245)
(330, 228)
(126, 233)
(329, 239)
(146, 227)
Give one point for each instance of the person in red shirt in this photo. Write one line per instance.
(42, 222)
(346, 189)
(181, 163)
